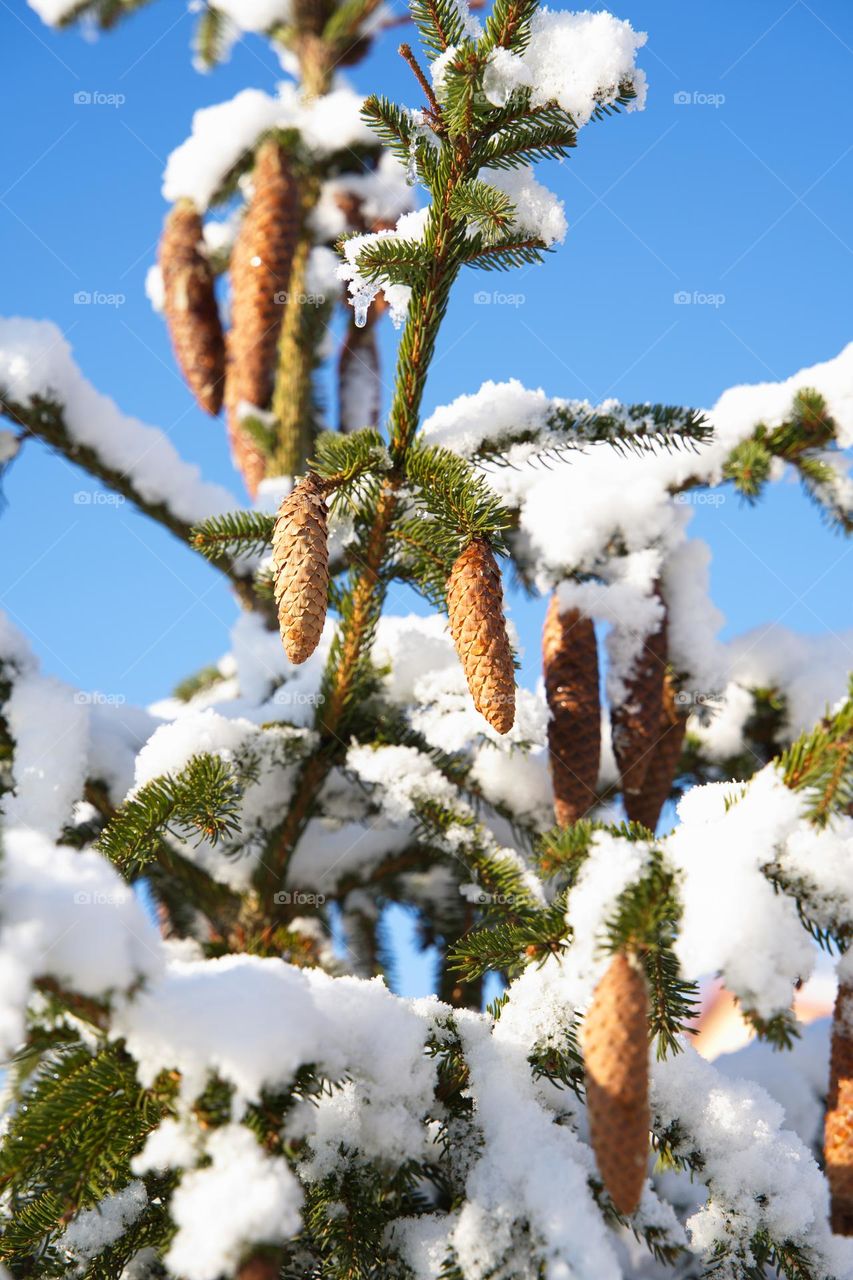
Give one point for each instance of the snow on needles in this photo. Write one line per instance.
(36, 360)
(223, 134)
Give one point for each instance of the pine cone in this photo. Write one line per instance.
(838, 1133)
(570, 666)
(192, 314)
(636, 721)
(645, 806)
(616, 1058)
(478, 627)
(260, 276)
(301, 563)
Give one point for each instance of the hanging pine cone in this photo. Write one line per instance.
(616, 1060)
(190, 307)
(478, 627)
(570, 667)
(645, 805)
(260, 275)
(635, 722)
(838, 1132)
(301, 563)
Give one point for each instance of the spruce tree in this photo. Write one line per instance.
(207, 1074)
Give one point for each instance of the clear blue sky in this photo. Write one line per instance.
(749, 198)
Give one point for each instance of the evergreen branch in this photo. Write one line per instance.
(503, 255)
(489, 209)
(391, 123)
(527, 136)
(390, 259)
(203, 799)
(236, 533)
(44, 419)
(459, 500)
(820, 763)
(508, 25)
(439, 22)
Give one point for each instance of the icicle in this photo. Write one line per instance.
(412, 163)
(360, 306)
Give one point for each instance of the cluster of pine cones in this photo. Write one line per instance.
(237, 368)
(647, 727)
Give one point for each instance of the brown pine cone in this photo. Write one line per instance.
(838, 1132)
(301, 564)
(260, 275)
(478, 627)
(616, 1058)
(570, 667)
(645, 805)
(635, 722)
(190, 307)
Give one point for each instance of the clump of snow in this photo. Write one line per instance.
(174, 1144)
(733, 922)
(50, 729)
(538, 212)
(760, 1175)
(256, 15)
(223, 134)
(581, 59)
(95, 1229)
(66, 915)
(36, 360)
(243, 1197)
(410, 226)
